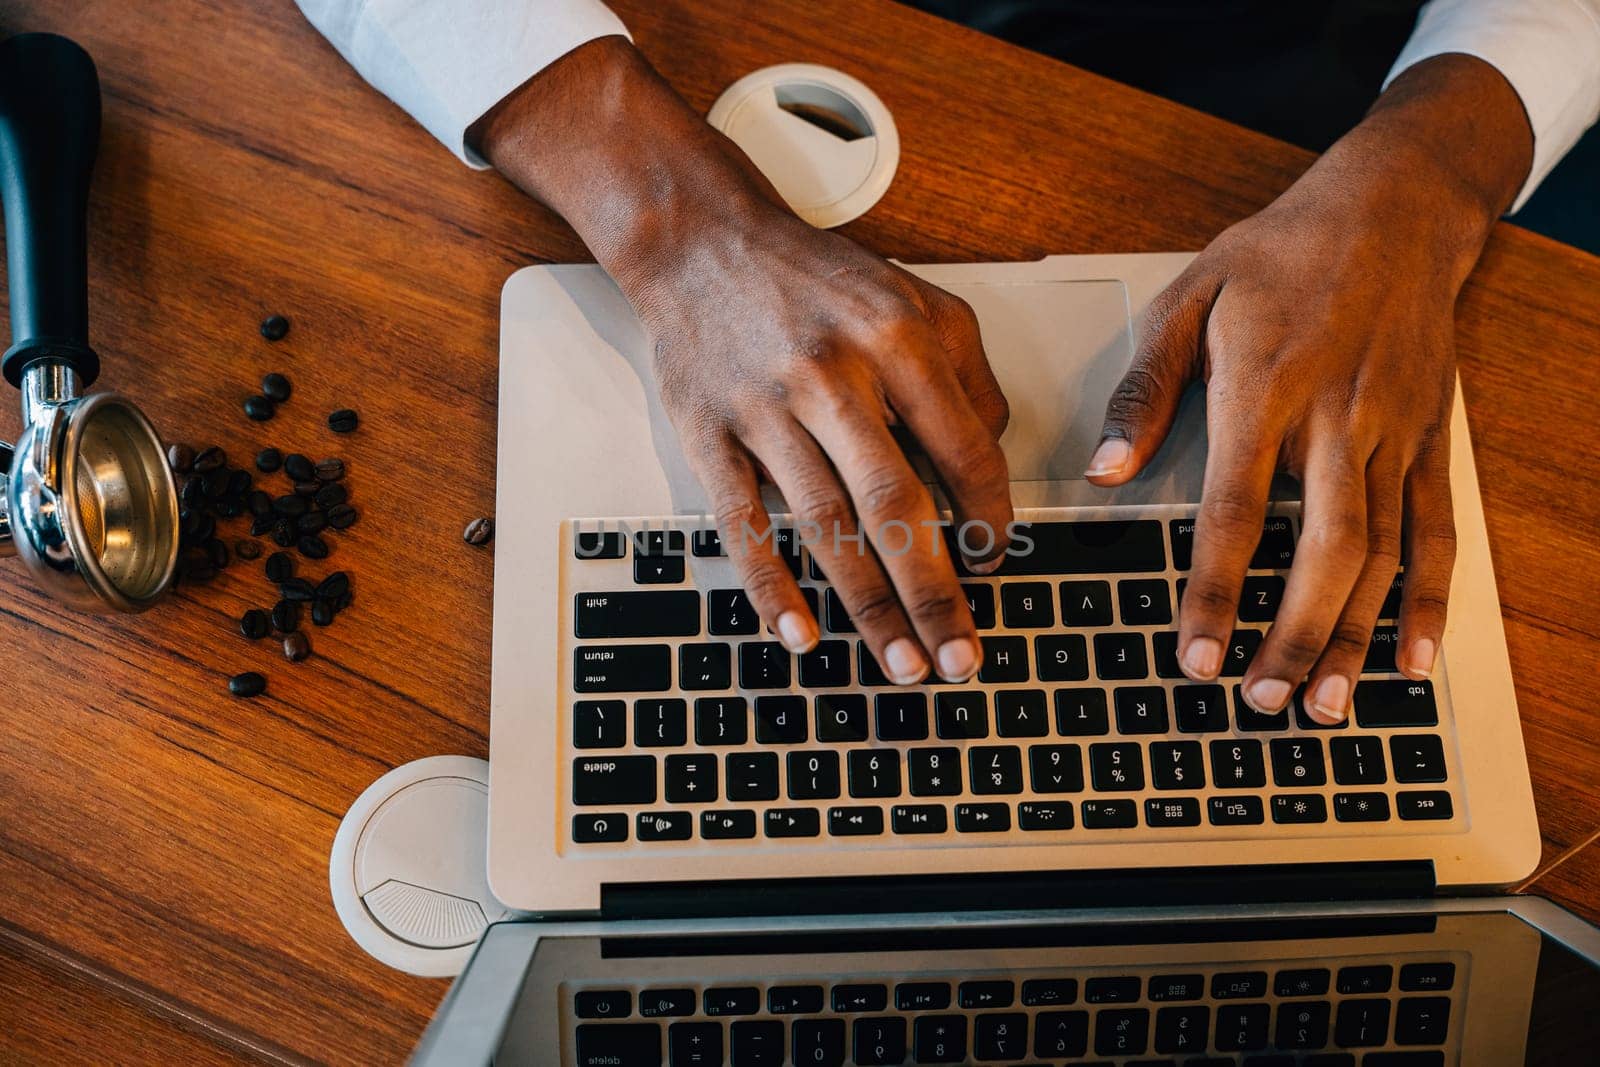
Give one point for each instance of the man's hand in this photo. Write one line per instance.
(1324, 329)
(780, 348)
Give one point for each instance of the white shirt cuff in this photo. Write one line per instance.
(1549, 50)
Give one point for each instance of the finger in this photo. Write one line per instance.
(728, 476)
(897, 513)
(1240, 459)
(1430, 548)
(1333, 679)
(957, 327)
(1144, 403)
(1327, 561)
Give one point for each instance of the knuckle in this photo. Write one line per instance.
(1348, 642)
(1298, 644)
(874, 607)
(828, 508)
(983, 464)
(766, 581)
(1208, 599)
(734, 517)
(1232, 509)
(934, 604)
(1137, 396)
(1340, 535)
(889, 494)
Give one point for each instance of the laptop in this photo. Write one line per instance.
(655, 755)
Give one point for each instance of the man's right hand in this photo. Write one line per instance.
(778, 347)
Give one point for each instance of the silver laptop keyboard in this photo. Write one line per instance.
(687, 726)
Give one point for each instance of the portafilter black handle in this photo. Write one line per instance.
(49, 131)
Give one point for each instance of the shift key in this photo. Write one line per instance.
(621, 668)
(613, 780)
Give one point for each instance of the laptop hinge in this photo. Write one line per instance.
(1296, 883)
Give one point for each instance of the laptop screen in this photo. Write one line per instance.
(1372, 990)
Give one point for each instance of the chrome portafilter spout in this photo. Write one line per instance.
(89, 502)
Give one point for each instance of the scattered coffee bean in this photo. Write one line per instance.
(211, 459)
(344, 601)
(322, 613)
(332, 495)
(283, 532)
(180, 458)
(214, 484)
(262, 524)
(239, 482)
(217, 552)
(299, 468)
(255, 624)
(333, 586)
(311, 522)
(229, 507)
(193, 492)
(330, 470)
(343, 421)
(286, 616)
(245, 548)
(260, 502)
(259, 408)
(342, 517)
(274, 327)
(248, 684)
(268, 460)
(478, 532)
(296, 646)
(291, 506)
(313, 547)
(297, 589)
(188, 523)
(276, 388)
(280, 567)
(197, 571)
(205, 529)
(308, 489)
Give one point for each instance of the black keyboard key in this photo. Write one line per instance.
(1242, 1027)
(657, 570)
(1116, 767)
(1062, 657)
(1109, 814)
(1060, 1033)
(619, 1045)
(735, 824)
(1239, 985)
(1164, 812)
(1289, 809)
(729, 614)
(987, 995)
(835, 617)
(691, 779)
(983, 818)
(1301, 982)
(1182, 543)
(1398, 702)
(599, 545)
(593, 828)
(934, 772)
(794, 999)
(1424, 805)
(695, 1044)
(996, 770)
(599, 724)
(752, 776)
(667, 613)
(613, 780)
(827, 666)
(880, 1041)
(1145, 602)
(1027, 605)
(1086, 603)
(1237, 764)
(1169, 987)
(1180, 1031)
(819, 1042)
(1417, 758)
(1021, 713)
(705, 666)
(1082, 713)
(855, 822)
(922, 996)
(781, 720)
(1247, 718)
(841, 717)
(920, 819)
(1000, 1037)
(1260, 597)
(901, 716)
(1049, 992)
(1375, 978)
(792, 822)
(665, 826)
(603, 1004)
(1005, 659)
(1120, 657)
(1303, 1024)
(1381, 650)
(1177, 765)
(860, 997)
(1422, 1020)
(763, 665)
(1275, 550)
(657, 543)
(980, 601)
(663, 1003)
(1141, 709)
(940, 1038)
(1201, 709)
(1426, 977)
(706, 544)
(661, 723)
(1103, 547)
(874, 773)
(867, 669)
(756, 1043)
(1240, 651)
(1235, 811)
(621, 668)
(1164, 649)
(1297, 762)
(1121, 989)
(1411, 1058)
(1121, 1031)
(813, 775)
(1358, 760)
(961, 714)
(732, 1000)
(1361, 807)
(1361, 1023)
(1055, 769)
(721, 721)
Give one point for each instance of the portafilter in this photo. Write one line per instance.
(89, 503)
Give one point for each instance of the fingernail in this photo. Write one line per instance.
(958, 659)
(1202, 659)
(1419, 660)
(797, 631)
(984, 568)
(1331, 698)
(1268, 694)
(1112, 455)
(905, 665)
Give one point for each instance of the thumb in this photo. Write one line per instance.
(1145, 401)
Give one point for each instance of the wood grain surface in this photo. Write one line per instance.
(171, 843)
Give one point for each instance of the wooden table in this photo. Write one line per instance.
(163, 847)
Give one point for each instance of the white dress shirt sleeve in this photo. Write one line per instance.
(447, 62)
(1549, 50)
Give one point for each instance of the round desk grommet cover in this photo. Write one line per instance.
(409, 870)
(824, 140)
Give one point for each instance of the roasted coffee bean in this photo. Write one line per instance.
(478, 532)
(311, 522)
(345, 601)
(286, 616)
(274, 327)
(330, 470)
(275, 387)
(197, 571)
(188, 522)
(268, 460)
(229, 507)
(193, 493)
(283, 532)
(306, 489)
(217, 553)
(205, 528)
(255, 624)
(259, 408)
(248, 684)
(321, 612)
(332, 495)
(342, 517)
(239, 482)
(291, 506)
(343, 421)
(297, 589)
(313, 547)
(180, 458)
(333, 586)
(212, 459)
(296, 647)
(262, 525)
(245, 548)
(299, 468)
(260, 502)
(280, 567)
(214, 484)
